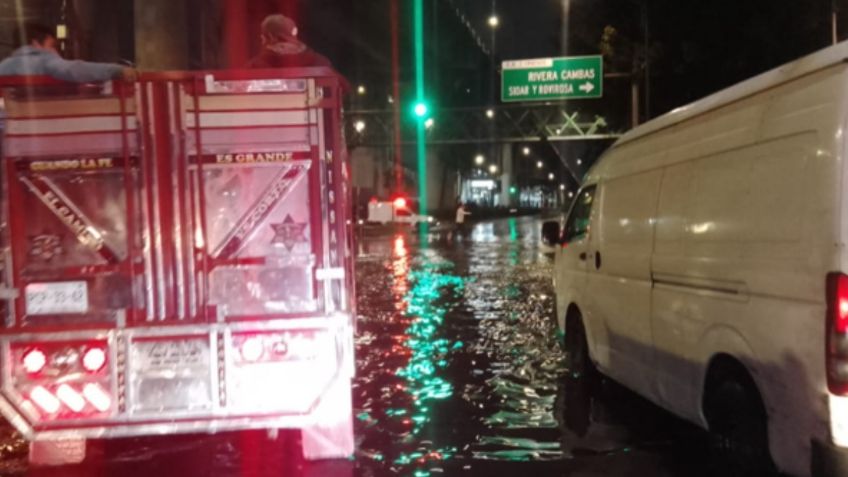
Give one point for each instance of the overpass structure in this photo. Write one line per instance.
(497, 125)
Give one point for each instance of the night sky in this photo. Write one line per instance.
(695, 47)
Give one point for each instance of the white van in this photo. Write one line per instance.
(703, 265)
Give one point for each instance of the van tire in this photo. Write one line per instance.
(581, 379)
(738, 424)
(577, 359)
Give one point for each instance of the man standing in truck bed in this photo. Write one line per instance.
(282, 49)
(37, 55)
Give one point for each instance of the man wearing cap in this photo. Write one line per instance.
(281, 48)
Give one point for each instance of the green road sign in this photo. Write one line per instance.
(546, 79)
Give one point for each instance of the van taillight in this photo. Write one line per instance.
(837, 333)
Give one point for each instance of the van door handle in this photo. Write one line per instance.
(582, 256)
(597, 260)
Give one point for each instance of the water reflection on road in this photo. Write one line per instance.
(458, 373)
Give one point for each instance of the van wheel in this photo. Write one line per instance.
(581, 382)
(577, 359)
(738, 426)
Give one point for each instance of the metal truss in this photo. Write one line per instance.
(504, 124)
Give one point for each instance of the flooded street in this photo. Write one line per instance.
(459, 373)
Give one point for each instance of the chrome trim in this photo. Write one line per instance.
(146, 244)
(190, 219)
(292, 163)
(198, 277)
(325, 229)
(157, 217)
(212, 426)
(177, 205)
(11, 305)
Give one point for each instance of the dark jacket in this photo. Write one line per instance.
(287, 55)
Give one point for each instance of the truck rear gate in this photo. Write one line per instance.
(181, 252)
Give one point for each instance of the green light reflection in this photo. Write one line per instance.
(427, 306)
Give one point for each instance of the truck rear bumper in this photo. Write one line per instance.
(152, 380)
(828, 460)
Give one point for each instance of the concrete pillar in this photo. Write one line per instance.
(507, 176)
(161, 37)
(235, 29)
(98, 32)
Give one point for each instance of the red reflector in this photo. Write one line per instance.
(94, 359)
(400, 203)
(34, 361)
(252, 349)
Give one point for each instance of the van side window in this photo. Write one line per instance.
(578, 221)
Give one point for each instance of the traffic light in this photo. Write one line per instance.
(421, 109)
(513, 190)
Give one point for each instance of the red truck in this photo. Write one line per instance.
(177, 258)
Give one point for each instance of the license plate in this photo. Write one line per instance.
(56, 298)
(181, 353)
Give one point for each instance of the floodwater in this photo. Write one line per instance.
(459, 372)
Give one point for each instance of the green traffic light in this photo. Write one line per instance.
(421, 109)
(513, 190)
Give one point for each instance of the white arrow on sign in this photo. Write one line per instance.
(586, 87)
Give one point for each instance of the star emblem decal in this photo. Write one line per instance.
(289, 233)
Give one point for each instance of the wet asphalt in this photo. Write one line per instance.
(459, 372)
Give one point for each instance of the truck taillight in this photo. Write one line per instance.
(837, 333)
(94, 359)
(56, 380)
(45, 400)
(70, 397)
(98, 398)
(34, 361)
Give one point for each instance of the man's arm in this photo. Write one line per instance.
(82, 71)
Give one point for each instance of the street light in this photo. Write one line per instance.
(526, 151)
(494, 21)
(361, 89)
(539, 165)
(359, 126)
(429, 123)
(490, 113)
(493, 169)
(551, 176)
(570, 195)
(562, 187)
(479, 159)
(579, 161)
